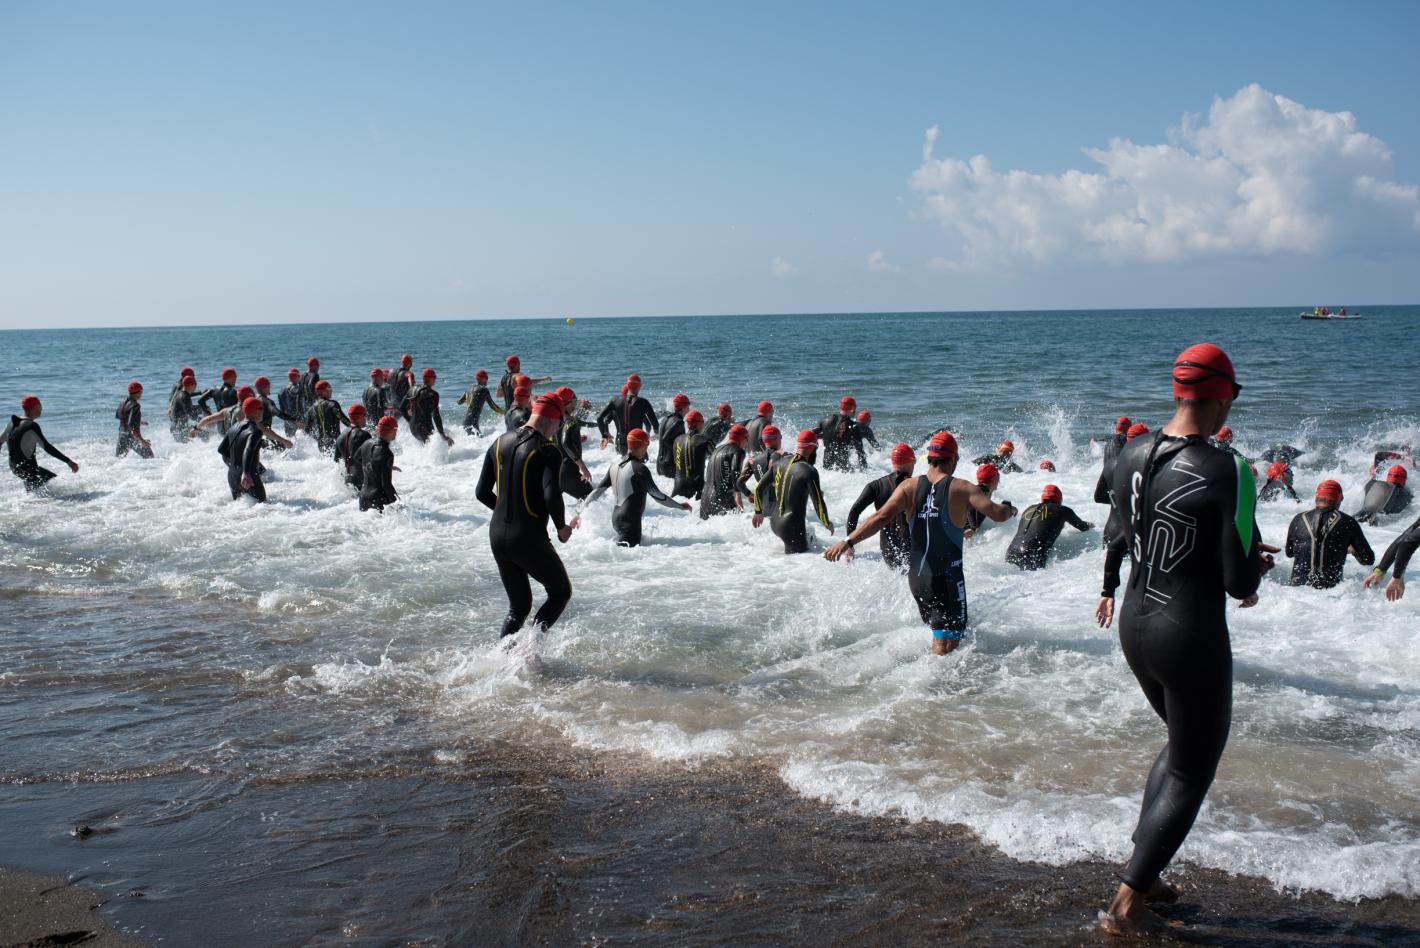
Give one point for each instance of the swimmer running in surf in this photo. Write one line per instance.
(23, 437)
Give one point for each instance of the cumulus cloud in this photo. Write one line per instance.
(878, 263)
(780, 269)
(1261, 175)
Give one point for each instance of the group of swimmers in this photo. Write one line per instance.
(1181, 507)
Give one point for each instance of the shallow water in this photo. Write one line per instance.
(158, 628)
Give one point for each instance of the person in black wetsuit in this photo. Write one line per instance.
(241, 449)
(310, 381)
(793, 485)
(573, 475)
(292, 402)
(349, 443)
(722, 471)
(185, 373)
(1279, 483)
(988, 478)
(1396, 556)
(1384, 498)
(509, 381)
(627, 411)
(1281, 452)
(518, 483)
(1318, 541)
(1386, 455)
(758, 463)
(1190, 532)
(1040, 527)
(520, 411)
(1048, 466)
(688, 456)
(936, 505)
(23, 438)
(895, 538)
(375, 461)
(720, 425)
(377, 396)
(1115, 442)
(838, 434)
(474, 399)
(223, 396)
(324, 418)
(182, 409)
(130, 425)
(863, 432)
(672, 427)
(630, 482)
(400, 383)
(270, 410)
(229, 418)
(1001, 460)
(421, 407)
(756, 425)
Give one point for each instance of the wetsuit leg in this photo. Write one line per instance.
(519, 560)
(549, 571)
(234, 480)
(258, 490)
(1188, 680)
(793, 531)
(941, 599)
(32, 475)
(519, 590)
(123, 446)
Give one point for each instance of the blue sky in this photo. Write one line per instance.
(189, 163)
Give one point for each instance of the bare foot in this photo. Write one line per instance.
(1162, 893)
(1141, 923)
(943, 646)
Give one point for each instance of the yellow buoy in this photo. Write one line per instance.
(569, 320)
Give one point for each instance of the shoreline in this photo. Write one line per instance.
(564, 845)
(41, 910)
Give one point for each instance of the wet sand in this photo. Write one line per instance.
(41, 911)
(512, 845)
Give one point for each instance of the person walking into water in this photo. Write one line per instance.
(23, 438)
(791, 494)
(630, 482)
(1319, 539)
(626, 411)
(895, 538)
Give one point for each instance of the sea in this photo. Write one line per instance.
(168, 652)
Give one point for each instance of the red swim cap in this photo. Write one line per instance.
(522, 393)
(406, 360)
(633, 381)
(1397, 474)
(847, 403)
(292, 374)
(356, 410)
(1225, 435)
(694, 420)
(189, 381)
(481, 375)
(1051, 493)
(521, 381)
(807, 439)
(942, 445)
(987, 474)
(903, 454)
(252, 407)
(681, 400)
(637, 438)
(1204, 371)
(724, 410)
(187, 370)
(313, 362)
(765, 408)
(1121, 424)
(770, 433)
(1048, 465)
(512, 362)
(29, 403)
(1275, 470)
(738, 434)
(245, 392)
(1328, 490)
(428, 375)
(322, 387)
(376, 372)
(1136, 430)
(230, 375)
(388, 424)
(548, 405)
(1006, 447)
(135, 388)
(568, 397)
(625, 389)
(261, 382)
(865, 417)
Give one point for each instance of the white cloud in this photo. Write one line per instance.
(877, 262)
(1261, 175)
(780, 269)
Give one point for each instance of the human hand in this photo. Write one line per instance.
(1395, 589)
(565, 533)
(73, 467)
(246, 482)
(1104, 612)
(1249, 602)
(839, 550)
(756, 520)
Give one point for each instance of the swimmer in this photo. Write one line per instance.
(626, 411)
(895, 538)
(1048, 466)
(719, 426)
(671, 428)
(241, 450)
(758, 463)
(1040, 527)
(838, 434)
(792, 485)
(349, 443)
(229, 418)
(630, 482)
(1396, 558)
(270, 410)
(378, 397)
(508, 382)
(988, 478)
(310, 381)
(722, 470)
(1318, 541)
(324, 418)
(375, 461)
(1281, 452)
(223, 396)
(130, 425)
(1223, 441)
(401, 382)
(292, 401)
(1386, 455)
(573, 475)
(23, 438)
(421, 407)
(182, 408)
(520, 411)
(1114, 442)
(864, 433)
(1279, 482)
(936, 504)
(1002, 458)
(756, 425)
(475, 398)
(688, 458)
(1384, 498)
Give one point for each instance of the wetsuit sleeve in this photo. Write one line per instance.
(552, 487)
(251, 456)
(859, 505)
(1102, 490)
(760, 488)
(135, 420)
(604, 419)
(643, 479)
(1241, 555)
(742, 479)
(1290, 492)
(1073, 519)
(648, 416)
(816, 496)
(601, 488)
(203, 399)
(488, 477)
(1113, 560)
(1294, 535)
(488, 400)
(467, 397)
(387, 476)
(1398, 554)
(438, 416)
(1364, 554)
(59, 455)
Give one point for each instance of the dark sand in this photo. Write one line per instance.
(41, 911)
(516, 846)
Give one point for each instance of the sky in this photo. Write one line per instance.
(180, 163)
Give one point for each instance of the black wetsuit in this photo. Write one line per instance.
(839, 435)
(864, 433)
(130, 430)
(626, 412)
(323, 421)
(671, 428)
(375, 461)
(519, 483)
(755, 426)
(1397, 555)
(1039, 528)
(1003, 463)
(975, 519)
(515, 417)
(570, 472)
(895, 538)
(23, 437)
(716, 429)
(1113, 524)
(308, 386)
(784, 496)
(688, 457)
(1189, 527)
(421, 407)
(1225, 446)
(401, 381)
(183, 413)
(1381, 499)
(630, 482)
(1317, 542)
(505, 388)
(346, 446)
(934, 570)
(1112, 446)
(378, 401)
(757, 465)
(293, 405)
(1274, 489)
(223, 396)
(241, 449)
(475, 398)
(1281, 452)
(722, 473)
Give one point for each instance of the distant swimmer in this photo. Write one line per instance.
(421, 407)
(519, 483)
(508, 382)
(1040, 527)
(1279, 483)
(23, 437)
(756, 425)
(1048, 466)
(1114, 442)
(838, 434)
(630, 482)
(1396, 558)
(310, 382)
(758, 463)
(789, 493)
(1318, 541)
(184, 373)
(1187, 510)
(988, 478)
(672, 427)
(224, 395)
(1281, 452)
(475, 398)
(518, 413)
(270, 410)
(1385, 455)
(863, 432)
(722, 471)
(401, 381)
(688, 456)
(241, 450)
(229, 418)
(626, 411)
(573, 475)
(1001, 460)
(1223, 441)
(895, 538)
(130, 424)
(936, 504)
(292, 401)
(378, 396)
(719, 426)
(349, 443)
(324, 418)
(183, 411)
(1384, 498)
(375, 460)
